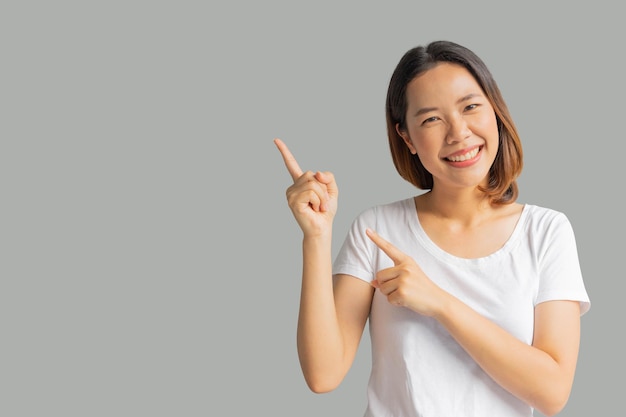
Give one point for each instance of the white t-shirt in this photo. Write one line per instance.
(418, 369)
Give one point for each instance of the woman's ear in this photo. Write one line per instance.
(406, 138)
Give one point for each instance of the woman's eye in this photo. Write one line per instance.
(471, 107)
(430, 119)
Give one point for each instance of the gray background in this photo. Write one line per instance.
(149, 262)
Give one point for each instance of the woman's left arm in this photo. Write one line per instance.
(541, 374)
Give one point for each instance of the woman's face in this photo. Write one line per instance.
(451, 125)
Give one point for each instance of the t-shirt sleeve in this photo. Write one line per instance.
(355, 257)
(561, 276)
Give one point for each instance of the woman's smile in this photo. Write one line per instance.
(464, 158)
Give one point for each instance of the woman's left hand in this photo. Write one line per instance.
(405, 284)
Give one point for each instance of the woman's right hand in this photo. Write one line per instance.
(312, 197)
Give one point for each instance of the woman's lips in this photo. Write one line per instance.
(460, 157)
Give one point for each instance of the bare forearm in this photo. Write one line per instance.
(527, 372)
(320, 344)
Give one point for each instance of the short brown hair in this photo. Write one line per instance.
(507, 166)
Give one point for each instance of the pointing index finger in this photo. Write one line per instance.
(394, 253)
(290, 161)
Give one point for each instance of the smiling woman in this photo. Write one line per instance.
(451, 125)
(473, 298)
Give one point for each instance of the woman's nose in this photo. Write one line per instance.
(458, 130)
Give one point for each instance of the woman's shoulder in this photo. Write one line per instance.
(384, 214)
(544, 218)
(542, 212)
(390, 208)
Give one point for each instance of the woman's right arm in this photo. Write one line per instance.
(332, 317)
(333, 312)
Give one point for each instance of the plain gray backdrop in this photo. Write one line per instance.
(149, 263)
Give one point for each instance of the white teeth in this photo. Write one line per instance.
(464, 157)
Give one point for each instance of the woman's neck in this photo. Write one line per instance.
(467, 207)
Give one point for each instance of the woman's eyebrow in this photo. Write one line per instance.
(461, 100)
(424, 110)
(468, 97)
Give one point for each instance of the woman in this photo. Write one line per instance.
(473, 299)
